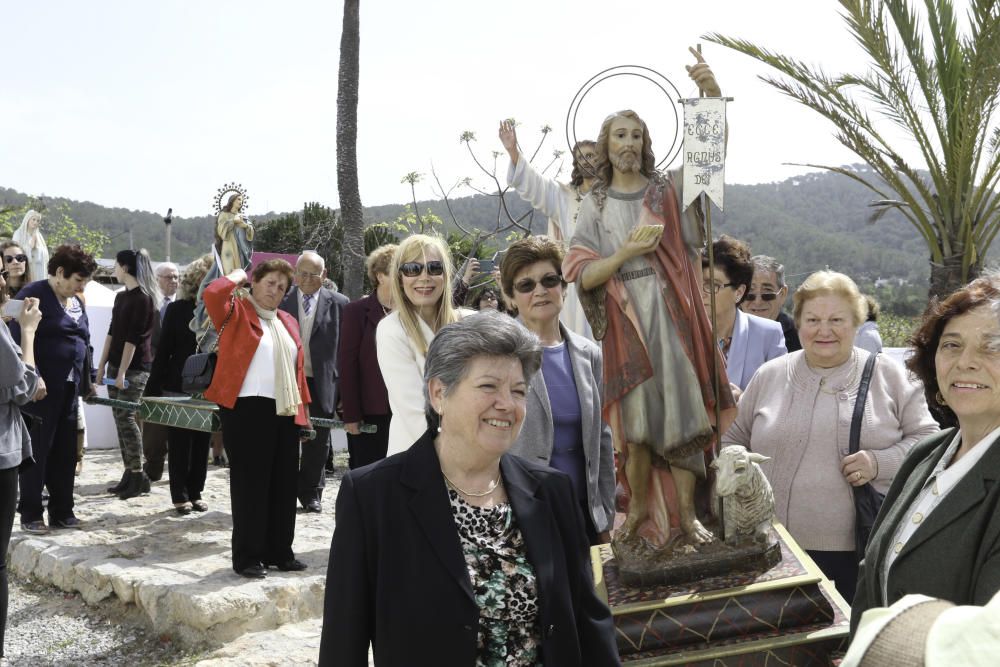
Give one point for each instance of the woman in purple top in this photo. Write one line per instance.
(563, 425)
(64, 361)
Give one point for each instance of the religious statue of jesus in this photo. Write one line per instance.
(635, 260)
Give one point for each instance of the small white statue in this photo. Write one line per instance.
(747, 500)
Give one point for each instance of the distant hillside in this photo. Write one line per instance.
(808, 222)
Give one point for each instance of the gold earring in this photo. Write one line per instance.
(940, 399)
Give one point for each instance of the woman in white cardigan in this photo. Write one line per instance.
(798, 409)
(420, 273)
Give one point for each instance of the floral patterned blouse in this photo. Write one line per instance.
(503, 582)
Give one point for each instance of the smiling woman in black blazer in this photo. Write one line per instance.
(454, 552)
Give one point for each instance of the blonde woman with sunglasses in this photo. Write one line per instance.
(421, 276)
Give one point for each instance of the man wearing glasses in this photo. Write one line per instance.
(767, 297)
(318, 311)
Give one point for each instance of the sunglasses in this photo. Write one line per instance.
(20, 259)
(765, 296)
(414, 269)
(548, 281)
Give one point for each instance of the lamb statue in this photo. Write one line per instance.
(745, 493)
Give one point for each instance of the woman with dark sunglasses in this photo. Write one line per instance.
(746, 341)
(563, 426)
(420, 274)
(15, 263)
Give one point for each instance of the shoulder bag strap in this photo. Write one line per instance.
(232, 307)
(859, 404)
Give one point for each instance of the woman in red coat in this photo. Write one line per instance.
(260, 386)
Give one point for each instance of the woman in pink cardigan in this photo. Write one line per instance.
(798, 409)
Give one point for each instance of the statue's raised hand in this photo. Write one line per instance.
(702, 75)
(508, 137)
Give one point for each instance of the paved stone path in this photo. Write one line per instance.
(177, 569)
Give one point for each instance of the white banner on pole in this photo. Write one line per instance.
(704, 154)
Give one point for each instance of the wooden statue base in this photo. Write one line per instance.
(790, 614)
(639, 566)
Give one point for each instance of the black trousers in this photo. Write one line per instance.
(154, 448)
(588, 523)
(840, 567)
(263, 463)
(366, 448)
(187, 464)
(53, 444)
(8, 498)
(312, 467)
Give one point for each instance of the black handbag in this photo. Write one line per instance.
(196, 376)
(867, 501)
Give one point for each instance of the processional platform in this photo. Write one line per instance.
(790, 614)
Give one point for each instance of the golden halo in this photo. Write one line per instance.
(223, 193)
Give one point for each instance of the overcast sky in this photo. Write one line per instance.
(146, 105)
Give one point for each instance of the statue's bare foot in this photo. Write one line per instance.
(630, 528)
(696, 532)
(627, 531)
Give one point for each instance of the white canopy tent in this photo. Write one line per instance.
(100, 299)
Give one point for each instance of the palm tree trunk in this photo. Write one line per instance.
(947, 276)
(352, 214)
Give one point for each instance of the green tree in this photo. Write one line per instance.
(281, 235)
(940, 85)
(379, 234)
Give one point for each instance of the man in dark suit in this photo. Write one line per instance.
(318, 311)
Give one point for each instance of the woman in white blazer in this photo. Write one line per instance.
(563, 426)
(747, 341)
(420, 272)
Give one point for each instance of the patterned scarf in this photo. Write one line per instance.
(286, 386)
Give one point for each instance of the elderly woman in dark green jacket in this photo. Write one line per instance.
(938, 533)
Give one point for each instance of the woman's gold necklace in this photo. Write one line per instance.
(493, 486)
(850, 378)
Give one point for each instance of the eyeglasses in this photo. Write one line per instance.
(548, 281)
(414, 269)
(304, 275)
(20, 259)
(764, 296)
(708, 287)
